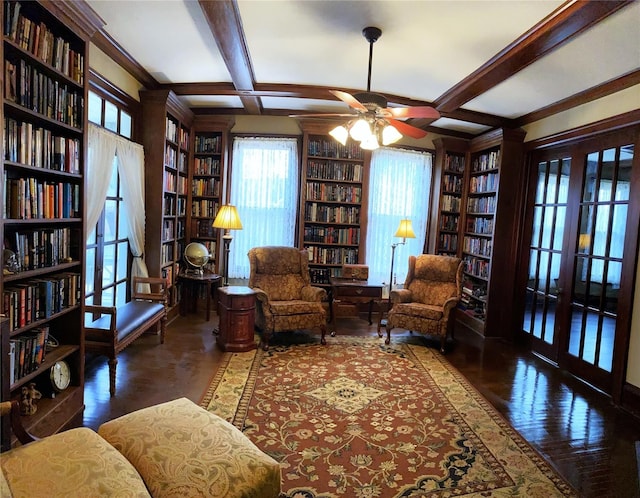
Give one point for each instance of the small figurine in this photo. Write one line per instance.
(30, 396)
(9, 262)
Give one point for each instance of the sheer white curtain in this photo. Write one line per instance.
(103, 147)
(399, 186)
(264, 188)
(131, 169)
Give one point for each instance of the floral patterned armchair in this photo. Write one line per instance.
(286, 300)
(432, 289)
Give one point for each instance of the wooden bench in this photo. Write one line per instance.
(117, 327)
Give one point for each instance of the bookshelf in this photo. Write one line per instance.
(489, 230)
(206, 179)
(43, 205)
(333, 203)
(449, 174)
(166, 136)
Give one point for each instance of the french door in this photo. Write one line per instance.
(581, 257)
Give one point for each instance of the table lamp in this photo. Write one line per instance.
(227, 219)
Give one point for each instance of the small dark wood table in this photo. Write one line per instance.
(351, 291)
(237, 310)
(191, 283)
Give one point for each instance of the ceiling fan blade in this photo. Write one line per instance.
(349, 99)
(328, 115)
(407, 129)
(413, 112)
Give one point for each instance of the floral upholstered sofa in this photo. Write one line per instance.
(173, 449)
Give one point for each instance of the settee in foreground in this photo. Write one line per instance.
(173, 449)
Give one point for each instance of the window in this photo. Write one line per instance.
(399, 186)
(107, 247)
(264, 188)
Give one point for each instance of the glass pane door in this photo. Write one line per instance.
(598, 259)
(545, 254)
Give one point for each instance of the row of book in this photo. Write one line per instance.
(454, 163)
(332, 255)
(448, 242)
(40, 298)
(205, 187)
(208, 145)
(173, 160)
(27, 352)
(176, 134)
(476, 245)
(331, 170)
(206, 166)
(204, 208)
(31, 198)
(29, 87)
(203, 228)
(331, 235)
(487, 161)
(39, 147)
(452, 183)
(333, 193)
(449, 222)
(476, 266)
(485, 205)
(484, 183)
(332, 214)
(40, 41)
(43, 248)
(322, 275)
(326, 148)
(450, 203)
(479, 225)
(473, 300)
(175, 183)
(173, 206)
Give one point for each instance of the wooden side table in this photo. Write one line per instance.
(237, 308)
(353, 292)
(190, 285)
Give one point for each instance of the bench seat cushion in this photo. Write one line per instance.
(180, 449)
(76, 462)
(129, 317)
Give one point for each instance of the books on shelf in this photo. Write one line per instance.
(27, 352)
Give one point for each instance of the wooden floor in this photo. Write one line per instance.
(591, 443)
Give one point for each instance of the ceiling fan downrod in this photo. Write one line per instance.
(371, 34)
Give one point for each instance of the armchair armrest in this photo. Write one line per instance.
(261, 295)
(11, 409)
(313, 294)
(449, 304)
(157, 289)
(401, 296)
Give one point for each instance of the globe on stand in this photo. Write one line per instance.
(196, 255)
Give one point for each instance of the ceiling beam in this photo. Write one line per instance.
(224, 22)
(561, 26)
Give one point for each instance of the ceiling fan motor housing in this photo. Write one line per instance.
(372, 101)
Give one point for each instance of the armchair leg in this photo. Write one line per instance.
(443, 342)
(323, 333)
(388, 329)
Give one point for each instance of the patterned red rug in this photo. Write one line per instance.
(357, 418)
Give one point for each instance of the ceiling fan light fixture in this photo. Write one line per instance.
(340, 133)
(390, 135)
(360, 130)
(370, 143)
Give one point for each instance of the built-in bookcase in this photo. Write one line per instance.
(332, 201)
(166, 136)
(207, 180)
(43, 184)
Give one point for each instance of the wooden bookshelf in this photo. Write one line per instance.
(166, 136)
(333, 203)
(488, 230)
(449, 176)
(207, 181)
(43, 186)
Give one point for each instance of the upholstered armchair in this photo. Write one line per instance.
(431, 291)
(286, 300)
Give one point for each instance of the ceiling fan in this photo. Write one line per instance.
(375, 123)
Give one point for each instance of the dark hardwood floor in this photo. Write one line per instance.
(591, 443)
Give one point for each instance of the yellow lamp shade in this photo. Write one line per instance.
(405, 230)
(228, 218)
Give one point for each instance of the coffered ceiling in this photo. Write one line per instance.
(481, 63)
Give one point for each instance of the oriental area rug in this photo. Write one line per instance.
(357, 418)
